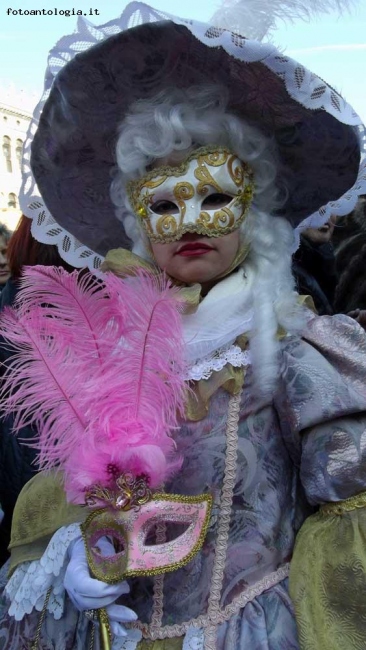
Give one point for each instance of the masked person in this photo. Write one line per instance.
(219, 147)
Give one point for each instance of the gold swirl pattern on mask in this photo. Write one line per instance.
(240, 172)
(204, 219)
(183, 191)
(153, 184)
(166, 228)
(205, 180)
(223, 218)
(216, 158)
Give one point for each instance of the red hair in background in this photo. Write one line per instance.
(24, 250)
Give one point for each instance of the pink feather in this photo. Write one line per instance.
(98, 367)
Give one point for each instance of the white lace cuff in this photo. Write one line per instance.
(27, 588)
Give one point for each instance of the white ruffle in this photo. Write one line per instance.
(27, 588)
(301, 84)
(233, 354)
(224, 314)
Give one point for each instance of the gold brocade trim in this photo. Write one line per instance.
(178, 498)
(123, 262)
(198, 398)
(341, 507)
(40, 510)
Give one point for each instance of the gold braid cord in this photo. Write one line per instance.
(224, 520)
(37, 638)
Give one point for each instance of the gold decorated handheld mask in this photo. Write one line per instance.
(209, 194)
(129, 514)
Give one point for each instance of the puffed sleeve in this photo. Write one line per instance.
(322, 404)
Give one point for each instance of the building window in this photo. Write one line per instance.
(12, 201)
(19, 150)
(7, 153)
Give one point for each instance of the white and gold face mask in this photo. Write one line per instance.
(209, 194)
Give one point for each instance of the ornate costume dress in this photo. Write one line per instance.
(201, 130)
(268, 466)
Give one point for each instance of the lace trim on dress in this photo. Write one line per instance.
(204, 368)
(29, 584)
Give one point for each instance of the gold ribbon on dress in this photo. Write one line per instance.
(341, 507)
(229, 378)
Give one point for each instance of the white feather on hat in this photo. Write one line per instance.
(255, 19)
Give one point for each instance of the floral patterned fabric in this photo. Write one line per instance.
(304, 449)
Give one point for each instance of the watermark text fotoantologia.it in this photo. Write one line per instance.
(52, 12)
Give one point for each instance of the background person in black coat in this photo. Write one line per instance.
(313, 266)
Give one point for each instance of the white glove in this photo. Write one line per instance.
(86, 592)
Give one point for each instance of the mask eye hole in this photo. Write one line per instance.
(164, 207)
(172, 532)
(110, 546)
(216, 201)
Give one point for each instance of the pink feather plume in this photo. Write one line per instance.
(98, 368)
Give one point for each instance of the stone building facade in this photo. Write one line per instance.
(15, 115)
